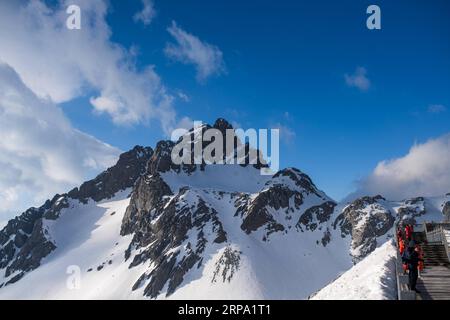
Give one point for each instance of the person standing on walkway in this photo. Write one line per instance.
(420, 266)
(408, 232)
(411, 258)
(399, 234)
(401, 249)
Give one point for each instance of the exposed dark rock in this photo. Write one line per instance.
(222, 125)
(257, 213)
(16, 278)
(159, 276)
(148, 193)
(316, 215)
(166, 227)
(161, 161)
(365, 220)
(413, 201)
(130, 166)
(410, 210)
(24, 240)
(30, 255)
(300, 179)
(227, 265)
(285, 192)
(326, 238)
(59, 202)
(446, 211)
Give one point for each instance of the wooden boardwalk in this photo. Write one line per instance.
(434, 283)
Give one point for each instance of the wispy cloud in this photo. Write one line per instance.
(183, 96)
(287, 134)
(147, 13)
(189, 49)
(358, 79)
(436, 108)
(41, 154)
(61, 64)
(423, 171)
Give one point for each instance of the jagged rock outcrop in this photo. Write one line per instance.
(275, 206)
(130, 166)
(365, 219)
(446, 211)
(193, 146)
(227, 265)
(24, 241)
(148, 193)
(316, 215)
(174, 237)
(257, 211)
(410, 210)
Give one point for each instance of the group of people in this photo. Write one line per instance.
(412, 255)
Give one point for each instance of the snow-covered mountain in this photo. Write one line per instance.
(147, 228)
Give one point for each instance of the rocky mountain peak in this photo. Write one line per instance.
(222, 125)
(365, 219)
(130, 166)
(296, 179)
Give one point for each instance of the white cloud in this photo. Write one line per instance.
(236, 125)
(147, 13)
(424, 171)
(41, 154)
(61, 64)
(189, 49)
(436, 108)
(287, 134)
(358, 79)
(287, 116)
(183, 96)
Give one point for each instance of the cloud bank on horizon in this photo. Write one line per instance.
(41, 153)
(423, 171)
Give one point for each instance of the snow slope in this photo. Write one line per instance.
(371, 279)
(87, 236)
(289, 265)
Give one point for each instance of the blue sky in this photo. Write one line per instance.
(291, 57)
(347, 99)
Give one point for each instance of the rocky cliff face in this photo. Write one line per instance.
(365, 219)
(174, 227)
(130, 166)
(24, 242)
(446, 211)
(276, 207)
